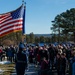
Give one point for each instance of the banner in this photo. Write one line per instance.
(12, 21)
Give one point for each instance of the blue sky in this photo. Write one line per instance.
(39, 13)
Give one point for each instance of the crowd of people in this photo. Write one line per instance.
(7, 53)
(48, 57)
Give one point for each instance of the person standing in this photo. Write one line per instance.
(44, 66)
(57, 62)
(63, 64)
(73, 64)
(21, 61)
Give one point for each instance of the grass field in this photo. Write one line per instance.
(7, 68)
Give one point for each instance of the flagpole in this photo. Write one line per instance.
(17, 34)
(24, 35)
(23, 2)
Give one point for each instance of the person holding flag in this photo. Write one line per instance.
(21, 60)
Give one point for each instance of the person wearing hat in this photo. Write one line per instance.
(20, 61)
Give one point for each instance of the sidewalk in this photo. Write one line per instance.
(32, 70)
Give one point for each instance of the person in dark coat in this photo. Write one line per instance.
(73, 64)
(52, 54)
(63, 64)
(21, 61)
(12, 53)
(1, 53)
(58, 64)
(70, 62)
(31, 55)
(44, 66)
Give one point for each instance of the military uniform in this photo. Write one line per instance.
(21, 62)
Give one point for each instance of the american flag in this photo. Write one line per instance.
(12, 21)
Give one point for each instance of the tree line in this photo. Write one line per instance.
(16, 38)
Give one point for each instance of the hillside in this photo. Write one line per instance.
(45, 35)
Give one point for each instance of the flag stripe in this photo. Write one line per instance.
(10, 23)
(18, 29)
(3, 15)
(13, 28)
(8, 27)
(7, 19)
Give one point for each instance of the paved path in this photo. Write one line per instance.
(31, 71)
(34, 71)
